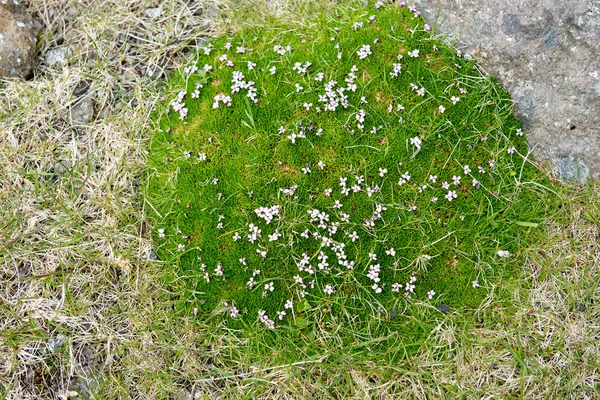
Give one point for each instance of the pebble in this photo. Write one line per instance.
(55, 342)
(57, 57)
(153, 12)
(81, 88)
(83, 111)
(444, 308)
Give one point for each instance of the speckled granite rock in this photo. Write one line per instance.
(547, 54)
(18, 37)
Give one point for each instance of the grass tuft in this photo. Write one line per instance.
(354, 169)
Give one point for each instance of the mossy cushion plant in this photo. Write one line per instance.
(349, 168)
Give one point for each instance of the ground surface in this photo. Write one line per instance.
(545, 53)
(82, 311)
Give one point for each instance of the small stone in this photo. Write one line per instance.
(153, 12)
(129, 76)
(444, 308)
(580, 307)
(83, 111)
(55, 342)
(81, 88)
(57, 57)
(393, 313)
(18, 39)
(152, 255)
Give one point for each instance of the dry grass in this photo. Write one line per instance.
(72, 255)
(74, 252)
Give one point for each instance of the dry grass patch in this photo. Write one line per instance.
(72, 258)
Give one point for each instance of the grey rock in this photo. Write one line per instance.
(82, 112)
(581, 307)
(153, 12)
(18, 39)
(571, 169)
(57, 57)
(444, 308)
(55, 342)
(545, 52)
(81, 88)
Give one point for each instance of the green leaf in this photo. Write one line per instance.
(303, 306)
(301, 322)
(528, 224)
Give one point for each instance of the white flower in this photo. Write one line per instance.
(273, 70)
(475, 284)
(454, 99)
(451, 195)
(161, 233)
(415, 141)
(329, 289)
(503, 253)
(441, 109)
(430, 294)
(397, 70)
(353, 236)
(364, 51)
(414, 53)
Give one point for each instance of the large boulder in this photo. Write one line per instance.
(547, 54)
(18, 38)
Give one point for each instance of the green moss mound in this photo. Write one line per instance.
(350, 168)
